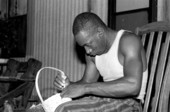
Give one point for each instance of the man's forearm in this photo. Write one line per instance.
(111, 89)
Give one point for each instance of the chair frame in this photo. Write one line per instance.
(26, 83)
(159, 69)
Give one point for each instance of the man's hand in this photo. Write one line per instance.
(73, 90)
(60, 82)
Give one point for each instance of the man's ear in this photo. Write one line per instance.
(100, 32)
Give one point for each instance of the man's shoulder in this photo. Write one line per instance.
(129, 36)
(130, 40)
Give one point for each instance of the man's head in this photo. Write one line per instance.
(89, 31)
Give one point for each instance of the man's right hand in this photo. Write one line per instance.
(60, 82)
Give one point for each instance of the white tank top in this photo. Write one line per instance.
(108, 64)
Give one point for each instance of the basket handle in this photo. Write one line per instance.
(37, 77)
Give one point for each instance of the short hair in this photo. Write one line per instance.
(86, 20)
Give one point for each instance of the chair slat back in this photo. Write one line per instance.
(156, 43)
(160, 74)
(164, 103)
(148, 50)
(143, 38)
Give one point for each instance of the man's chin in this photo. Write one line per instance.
(92, 55)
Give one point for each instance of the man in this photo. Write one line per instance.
(118, 56)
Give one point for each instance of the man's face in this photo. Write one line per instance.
(90, 41)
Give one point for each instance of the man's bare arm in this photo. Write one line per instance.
(91, 73)
(130, 84)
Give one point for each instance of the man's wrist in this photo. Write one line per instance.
(87, 88)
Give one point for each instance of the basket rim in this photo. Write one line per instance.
(37, 78)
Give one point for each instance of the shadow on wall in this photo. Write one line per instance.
(80, 53)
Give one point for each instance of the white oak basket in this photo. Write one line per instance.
(50, 104)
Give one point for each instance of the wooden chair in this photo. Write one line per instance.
(25, 85)
(156, 38)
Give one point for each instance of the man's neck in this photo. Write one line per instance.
(110, 37)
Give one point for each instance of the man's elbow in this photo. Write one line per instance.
(130, 91)
(135, 90)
